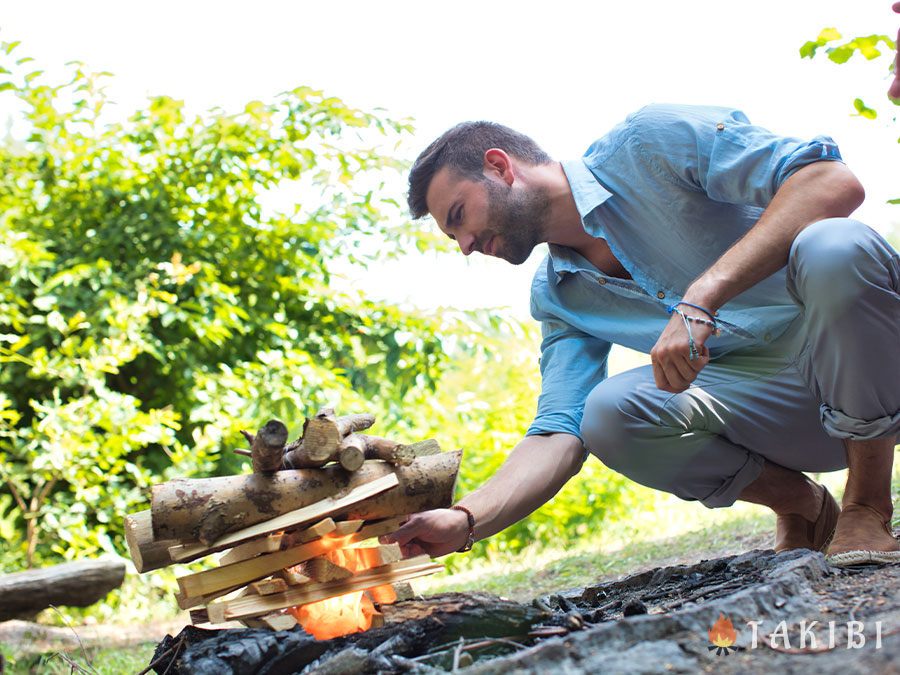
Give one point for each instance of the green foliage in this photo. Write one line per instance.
(484, 405)
(840, 51)
(154, 299)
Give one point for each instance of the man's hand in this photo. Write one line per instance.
(435, 533)
(673, 368)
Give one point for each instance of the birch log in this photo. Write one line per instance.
(206, 508)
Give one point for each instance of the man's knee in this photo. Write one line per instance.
(618, 420)
(834, 261)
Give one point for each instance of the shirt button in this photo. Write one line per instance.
(767, 336)
(660, 295)
(601, 281)
(720, 126)
(716, 314)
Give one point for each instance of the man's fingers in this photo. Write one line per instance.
(409, 530)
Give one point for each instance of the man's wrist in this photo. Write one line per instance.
(470, 527)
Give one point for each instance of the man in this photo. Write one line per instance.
(726, 252)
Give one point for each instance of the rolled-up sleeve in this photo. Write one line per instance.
(718, 151)
(572, 364)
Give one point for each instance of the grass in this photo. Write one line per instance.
(119, 661)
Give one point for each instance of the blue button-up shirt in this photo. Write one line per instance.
(669, 189)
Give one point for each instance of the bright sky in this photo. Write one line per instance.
(562, 72)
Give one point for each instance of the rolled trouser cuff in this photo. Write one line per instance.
(728, 493)
(841, 425)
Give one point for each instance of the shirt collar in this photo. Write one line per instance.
(588, 194)
(586, 189)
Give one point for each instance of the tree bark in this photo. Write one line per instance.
(74, 584)
(206, 508)
(267, 447)
(147, 553)
(398, 453)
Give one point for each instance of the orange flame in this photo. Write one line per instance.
(337, 616)
(349, 613)
(722, 634)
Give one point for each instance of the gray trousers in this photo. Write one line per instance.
(834, 374)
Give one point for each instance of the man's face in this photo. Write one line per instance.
(488, 216)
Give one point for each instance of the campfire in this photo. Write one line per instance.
(297, 538)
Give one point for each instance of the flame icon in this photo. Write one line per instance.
(722, 635)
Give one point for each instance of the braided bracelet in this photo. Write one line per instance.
(711, 322)
(693, 353)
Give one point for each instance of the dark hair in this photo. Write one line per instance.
(462, 148)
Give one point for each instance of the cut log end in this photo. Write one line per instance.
(267, 447)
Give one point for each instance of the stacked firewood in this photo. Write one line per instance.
(290, 533)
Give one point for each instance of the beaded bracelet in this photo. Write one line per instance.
(711, 322)
(692, 353)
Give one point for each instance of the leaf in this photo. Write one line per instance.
(863, 110)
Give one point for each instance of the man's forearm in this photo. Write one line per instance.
(815, 192)
(536, 469)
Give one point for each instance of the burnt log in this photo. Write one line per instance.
(412, 629)
(206, 508)
(74, 584)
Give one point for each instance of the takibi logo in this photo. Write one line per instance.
(722, 635)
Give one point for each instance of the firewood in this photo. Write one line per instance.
(398, 453)
(351, 452)
(181, 507)
(387, 594)
(185, 601)
(293, 518)
(348, 424)
(278, 621)
(320, 440)
(292, 577)
(267, 446)
(345, 527)
(314, 591)
(147, 553)
(269, 586)
(199, 616)
(246, 571)
(320, 529)
(245, 551)
(322, 569)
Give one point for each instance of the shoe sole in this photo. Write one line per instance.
(863, 558)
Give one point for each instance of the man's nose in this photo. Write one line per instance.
(466, 243)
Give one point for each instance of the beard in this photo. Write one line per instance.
(518, 219)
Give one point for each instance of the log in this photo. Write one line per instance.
(146, 552)
(398, 453)
(184, 508)
(73, 584)
(351, 452)
(267, 447)
(348, 424)
(291, 519)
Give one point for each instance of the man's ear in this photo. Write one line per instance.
(498, 163)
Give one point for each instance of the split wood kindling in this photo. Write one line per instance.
(290, 533)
